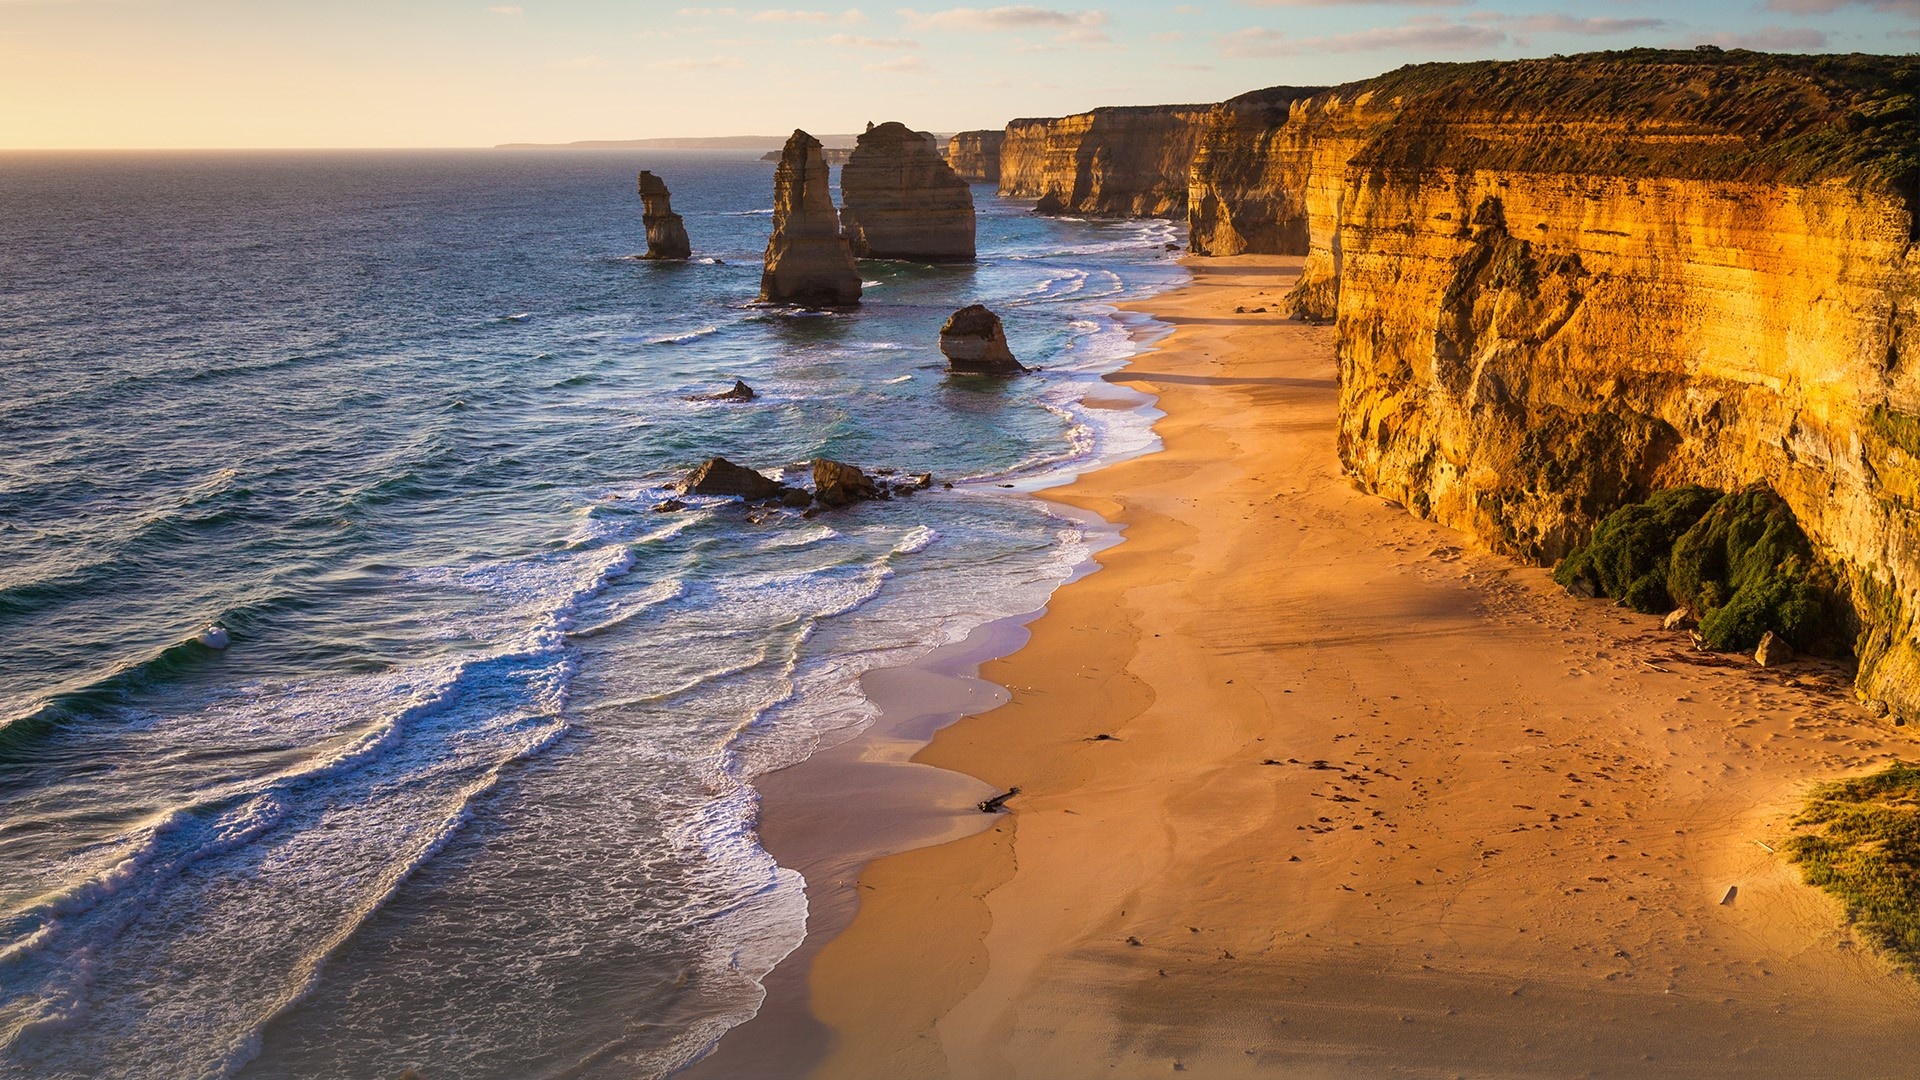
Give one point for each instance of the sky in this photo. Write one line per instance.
(424, 73)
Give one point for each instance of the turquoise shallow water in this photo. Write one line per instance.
(469, 788)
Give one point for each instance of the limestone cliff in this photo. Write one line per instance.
(975, 155)
(808, 260)
(1117, 162)
(900, 199)
(1561, 284)
(666, 231)
(1247, 189)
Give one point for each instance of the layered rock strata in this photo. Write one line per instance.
(975, 343)
(1118, 162)
(808, 260)
(1247, 189)
(1560, 285)
(901, 200)
(975, 155)
(666, 232)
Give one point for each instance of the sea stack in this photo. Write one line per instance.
(903, 201)
(808, 261)
(666, 233)
(975, 344)
(975, 155)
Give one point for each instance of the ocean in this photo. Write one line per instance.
(470, 788)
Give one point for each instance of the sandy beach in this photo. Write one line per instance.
(1308, 789)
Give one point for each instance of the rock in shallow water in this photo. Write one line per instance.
(666, 231)
(718, 476)
(975, 343)
(836, 483)
(808, 261)
(901, 201)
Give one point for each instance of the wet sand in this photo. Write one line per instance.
(1309, 789)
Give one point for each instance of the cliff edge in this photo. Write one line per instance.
(975, 155)
(1117, 162)
(1560, 285)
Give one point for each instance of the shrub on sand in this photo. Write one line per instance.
(1862, 844)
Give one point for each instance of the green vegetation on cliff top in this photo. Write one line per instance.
(1703, 114)
(1741, 561)
(1862, 844)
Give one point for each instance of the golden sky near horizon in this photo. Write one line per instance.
(357, 73)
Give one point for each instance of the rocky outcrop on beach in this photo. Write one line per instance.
(808, 260)
(1560, 285)
(901, 200)
(666, 232)
(975, 155)
(974, 343)
(1118, 162)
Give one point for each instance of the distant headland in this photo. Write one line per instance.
(716, 142)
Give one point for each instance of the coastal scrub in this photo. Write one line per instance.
(1863, 846)
(1740, 560)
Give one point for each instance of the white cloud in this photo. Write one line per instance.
(707, 12)
(1353, 3)
(852, 41)
(1823, 7)
(1003, 18)
(1771, 39)
(1569, 24)
(1439, 36)
(899, 66)
(693, 63)
(507, 9)
(852, 15)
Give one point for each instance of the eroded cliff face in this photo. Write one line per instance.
(1561, 285)
(975, 155)
(1246, 191)
(1117, 162)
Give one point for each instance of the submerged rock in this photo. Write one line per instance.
(718, 476)
(975, 343)
(740, 391)
(808, 261)
(666, 232)
(900, 200)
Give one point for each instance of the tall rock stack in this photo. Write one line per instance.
(666, 233)
(975, 155)
(903, 201)
(808, 261)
